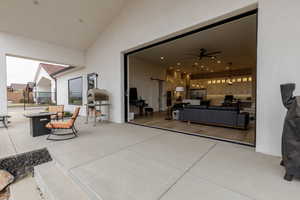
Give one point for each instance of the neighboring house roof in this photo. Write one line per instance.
(63, 70)
(18, 86)
(50, 69)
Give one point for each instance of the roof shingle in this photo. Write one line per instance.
(50, 69)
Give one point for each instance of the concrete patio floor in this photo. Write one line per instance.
(128, 162)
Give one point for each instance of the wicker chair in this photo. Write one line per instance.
(54, 126)
(59, 110)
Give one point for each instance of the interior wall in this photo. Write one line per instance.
(140, 72)
(20, 46)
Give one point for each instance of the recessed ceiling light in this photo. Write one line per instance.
(179, 63)
(213, 57)
(219, 61)
(36, 2)
(80, 20)
(162, 58)
(202, 66)
(227, 68)
(196, 64)
(211, 70)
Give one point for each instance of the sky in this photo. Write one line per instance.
(20, 70)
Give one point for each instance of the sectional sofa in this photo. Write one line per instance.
(215, 115)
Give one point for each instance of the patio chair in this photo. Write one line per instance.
(70, 124)
(59, 110)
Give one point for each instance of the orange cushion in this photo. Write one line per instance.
(60, 125)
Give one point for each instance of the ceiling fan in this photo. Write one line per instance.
(205, 54)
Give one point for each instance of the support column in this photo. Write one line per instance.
(3, 83)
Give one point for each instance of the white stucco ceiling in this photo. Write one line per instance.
(236, 40)
(70, 23)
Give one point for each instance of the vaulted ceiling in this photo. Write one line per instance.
(70, 23)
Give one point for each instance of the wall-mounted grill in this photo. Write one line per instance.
(95, 95)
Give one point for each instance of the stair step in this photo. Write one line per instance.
(25, 189)
(56, 185)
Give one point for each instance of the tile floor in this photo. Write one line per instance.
(123, 161)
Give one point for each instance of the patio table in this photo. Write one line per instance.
(38, 122)
(4, 120)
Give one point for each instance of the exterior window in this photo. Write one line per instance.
(75, 91)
